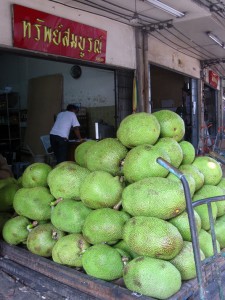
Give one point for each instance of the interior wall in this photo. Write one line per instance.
(161, 54)
(94, 88)
(166, 88)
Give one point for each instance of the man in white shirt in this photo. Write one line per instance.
(60, 131)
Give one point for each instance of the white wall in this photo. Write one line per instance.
(120, 49)
(161, 54)
(94, 88)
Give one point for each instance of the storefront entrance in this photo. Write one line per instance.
(176, 92)
(210, 109)
(104, 95)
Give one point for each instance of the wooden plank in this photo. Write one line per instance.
(69, 276)
(39, 283)
(89, 285)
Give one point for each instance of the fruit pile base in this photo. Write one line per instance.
(60, 278)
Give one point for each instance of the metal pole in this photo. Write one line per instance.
(193, 228)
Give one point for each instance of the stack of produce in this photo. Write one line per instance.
(115, 212)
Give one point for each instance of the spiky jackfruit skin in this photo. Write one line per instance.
(42, 238)
(172, 148)
(103, 262)
(7, 194)
(80, 153)
(106, 155)
(189, 178)
(210, 168)
(33, 203)
(218, 207)
(219, 230)
(104, 225)
(15, 230)
(171, 124)
(69, 215)
(205, 243)
(141, 162)
(36, 175)
(101, 189)
(195, 173)
(221, 184)
(64, 181)
(185, 262)
(137, 129)
(188, 152)
(68, 250)
(154, 197)
(207, 191)
(4, 216)
(153, 237)
(182, 223)
(152, 277)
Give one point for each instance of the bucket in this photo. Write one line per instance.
(39, 158)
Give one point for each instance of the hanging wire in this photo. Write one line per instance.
(178, 45)
(114, 10)
(125, 14)
(203, 49)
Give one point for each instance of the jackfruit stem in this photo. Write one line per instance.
(54, 235)
(53, 203)
(122, 179)
(32, 225)
(125, 260)
(118, 205)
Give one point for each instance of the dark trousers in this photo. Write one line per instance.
(60, 147)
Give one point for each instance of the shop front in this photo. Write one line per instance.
(212, 115)
(53, 57)
(174, 81)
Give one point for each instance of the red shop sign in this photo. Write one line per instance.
(213, 79)
(39, 31)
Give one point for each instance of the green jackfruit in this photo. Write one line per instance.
(42, 238)
(184, 261)
(101, 189)
(171, 124)
(69, 215)
(15, 230)
(104, 225)
(154, 197)
(103, 262)
(181, 222)
(68, 250)
(152, 237)
(210, 168)
(172, 148)
(106, 155)
(141, 163)
(152, 277)
(137, 129)
(65, 179)
(33, 203)
(36, 175)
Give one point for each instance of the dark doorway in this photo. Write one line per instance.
(176, 92)
(210, 109)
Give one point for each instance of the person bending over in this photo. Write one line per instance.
(60, 131)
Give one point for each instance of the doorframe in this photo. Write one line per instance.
(194, 86)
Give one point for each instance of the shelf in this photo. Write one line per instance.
(10, 129)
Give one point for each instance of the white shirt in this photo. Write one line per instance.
(64, 121)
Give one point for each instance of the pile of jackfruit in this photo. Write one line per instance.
(115, 212)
